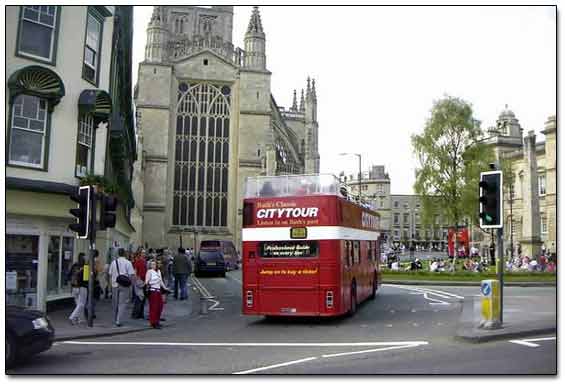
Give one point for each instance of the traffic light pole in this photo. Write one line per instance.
(500, 250)
(92, 240)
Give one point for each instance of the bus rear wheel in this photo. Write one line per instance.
(374, 292)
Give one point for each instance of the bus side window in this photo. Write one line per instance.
(369, 251)
(356, 252)
(347, 253)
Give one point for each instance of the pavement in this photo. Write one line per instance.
(518, 318)
(174, 312)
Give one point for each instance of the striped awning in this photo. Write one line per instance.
(96, 102)
(37, 81)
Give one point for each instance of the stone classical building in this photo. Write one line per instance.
(207, 121)
(400, 214)
(69, 114)
(530, 216)
(375, 189)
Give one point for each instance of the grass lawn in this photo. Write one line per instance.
(467, 276)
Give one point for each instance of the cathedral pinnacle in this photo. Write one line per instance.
(294, 104)
(157, 16)
(255, 25)
(308, 87)
(302, 101)
(313, 89)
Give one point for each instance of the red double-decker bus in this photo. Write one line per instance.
(307, 250)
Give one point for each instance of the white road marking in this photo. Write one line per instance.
(275, 366)
(528, 342)
(368, 351)
(426, 292)
(178, 344)
(239, 281)
(398, 346)
(214, 307)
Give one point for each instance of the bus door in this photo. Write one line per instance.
(289, 277)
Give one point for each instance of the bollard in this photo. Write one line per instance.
(203, 305)
(490, 306)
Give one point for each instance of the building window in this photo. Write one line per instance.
(382, 203)
(37, 30)
(406, 218)
(396, 234)
(22, 256)
(85, 145)
(90, 68)
(59, 262)
(397, 218)
(406, 206)
(541, 185)
(544, 225)
(396, 204)
(28, 131)
(202, 148)
(417, 218)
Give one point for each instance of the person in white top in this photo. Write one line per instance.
(154, 283)
(120, 294)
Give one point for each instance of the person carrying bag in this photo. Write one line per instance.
(121, 275)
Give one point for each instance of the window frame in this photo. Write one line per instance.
(90, 160)
(100, 19)
(543, 223)
(52, 60)
(542, 177)
(46, 137)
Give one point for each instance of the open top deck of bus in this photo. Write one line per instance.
(292, 185)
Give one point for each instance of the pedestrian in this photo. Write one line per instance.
(122, 268)
(181, 270)
(140, 268)
(96, 288)
(154, 283)
(79, 290)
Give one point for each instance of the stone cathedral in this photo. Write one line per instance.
(206, 121)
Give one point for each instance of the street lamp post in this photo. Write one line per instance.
(359, 175)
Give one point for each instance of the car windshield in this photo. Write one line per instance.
(212, 255)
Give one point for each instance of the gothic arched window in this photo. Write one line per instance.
(200, 193)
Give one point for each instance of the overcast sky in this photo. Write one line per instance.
(378, 71)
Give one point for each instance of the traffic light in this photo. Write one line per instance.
(108, 205)
(82, 212)
(490, 187)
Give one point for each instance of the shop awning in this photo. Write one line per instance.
(96, 102)
(37, 81)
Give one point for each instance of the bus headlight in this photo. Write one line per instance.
(249, 298)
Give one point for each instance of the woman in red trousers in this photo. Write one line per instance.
(154, 283)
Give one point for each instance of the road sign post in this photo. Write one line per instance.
(490, 304)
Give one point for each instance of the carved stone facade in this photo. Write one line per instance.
(530, 216)
(209, 120)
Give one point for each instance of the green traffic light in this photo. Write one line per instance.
(488, 218)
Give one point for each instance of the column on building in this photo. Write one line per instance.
(550, 133)
(531, 241)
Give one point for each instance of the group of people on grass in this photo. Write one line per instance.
(131, 277)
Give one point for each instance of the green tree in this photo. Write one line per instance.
(451, 156)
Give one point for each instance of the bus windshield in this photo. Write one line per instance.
(291, 185)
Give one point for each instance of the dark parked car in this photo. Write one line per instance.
(28, 332)
(210, 261)
(231, 257)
